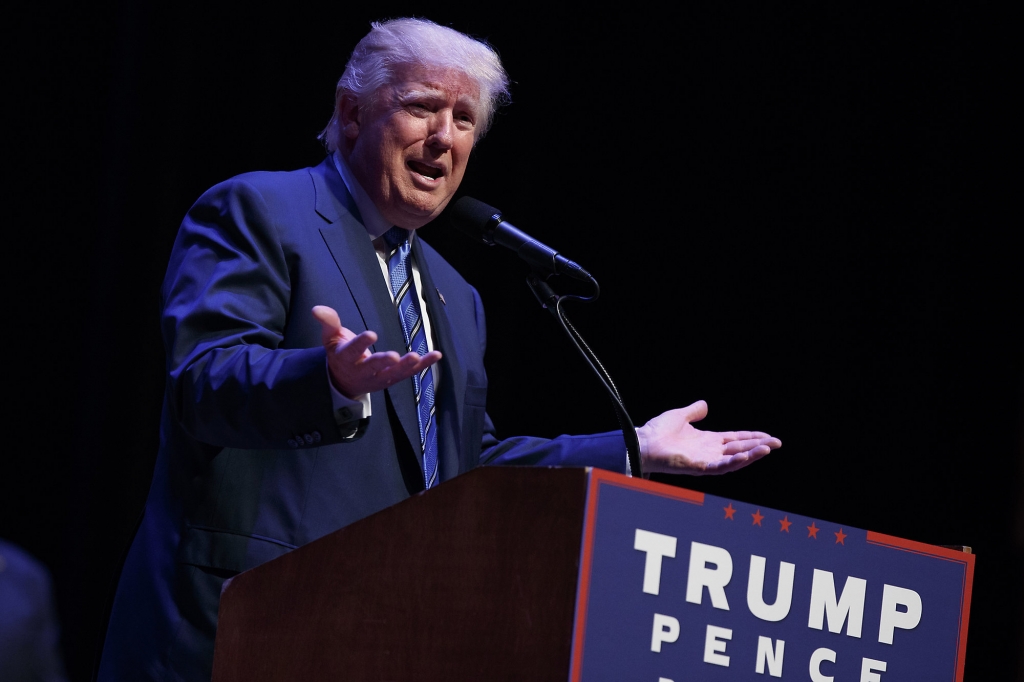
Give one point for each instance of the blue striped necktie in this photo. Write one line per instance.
(407, 302)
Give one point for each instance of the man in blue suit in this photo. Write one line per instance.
(293, 401)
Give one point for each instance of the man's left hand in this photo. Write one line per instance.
(669, 443)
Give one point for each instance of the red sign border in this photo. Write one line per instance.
(956, 556)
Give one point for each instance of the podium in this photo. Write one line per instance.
(528, 573)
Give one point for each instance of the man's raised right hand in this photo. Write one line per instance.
(354, 370)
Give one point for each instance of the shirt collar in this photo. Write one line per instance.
(373, 221)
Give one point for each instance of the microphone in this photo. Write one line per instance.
(484, 223)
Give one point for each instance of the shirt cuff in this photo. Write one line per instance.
(348, 410)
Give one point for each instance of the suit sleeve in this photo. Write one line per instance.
(225, 309)
(601, 450)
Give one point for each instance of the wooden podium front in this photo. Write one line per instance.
(527, 573)
(473, 580)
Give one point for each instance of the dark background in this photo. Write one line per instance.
(788, 209)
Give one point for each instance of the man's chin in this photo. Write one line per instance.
(415, 214)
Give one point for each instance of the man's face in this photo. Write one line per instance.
(409, 149)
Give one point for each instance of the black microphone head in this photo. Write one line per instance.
(474, 218)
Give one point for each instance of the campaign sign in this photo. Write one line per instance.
(677, 585)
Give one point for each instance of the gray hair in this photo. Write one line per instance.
(401, 42)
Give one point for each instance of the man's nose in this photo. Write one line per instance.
(441, 125)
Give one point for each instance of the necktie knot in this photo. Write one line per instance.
(395, 237)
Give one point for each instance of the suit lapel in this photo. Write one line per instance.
(353, 252)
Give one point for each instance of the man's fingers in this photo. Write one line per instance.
(358, 371)
(379, 362)
(428, 360)
(743, 435)
(761, 445)
(733, 461)
(747, 436)
(729, 464)
(412, 363)
(358, 346)
(405, 367)
(398, 366)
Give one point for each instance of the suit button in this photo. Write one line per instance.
(292, 442)
(316, 436)
(345, 413)
(308, 438)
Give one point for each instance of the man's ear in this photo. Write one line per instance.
(348, 119)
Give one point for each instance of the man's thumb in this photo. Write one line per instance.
(694, 412)
(330, 324)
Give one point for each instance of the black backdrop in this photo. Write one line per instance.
(783, 204)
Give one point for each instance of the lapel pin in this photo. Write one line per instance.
(440, 296)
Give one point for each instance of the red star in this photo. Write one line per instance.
(729, 511)
(840, 536)
(786, 523)
(812, 531)
(757, 517)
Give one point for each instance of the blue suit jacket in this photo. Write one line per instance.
(252, 461)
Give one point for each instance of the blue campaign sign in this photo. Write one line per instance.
(677, 585)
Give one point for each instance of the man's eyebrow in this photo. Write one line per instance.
(420, 91)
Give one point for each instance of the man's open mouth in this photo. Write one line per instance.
(426, 170)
